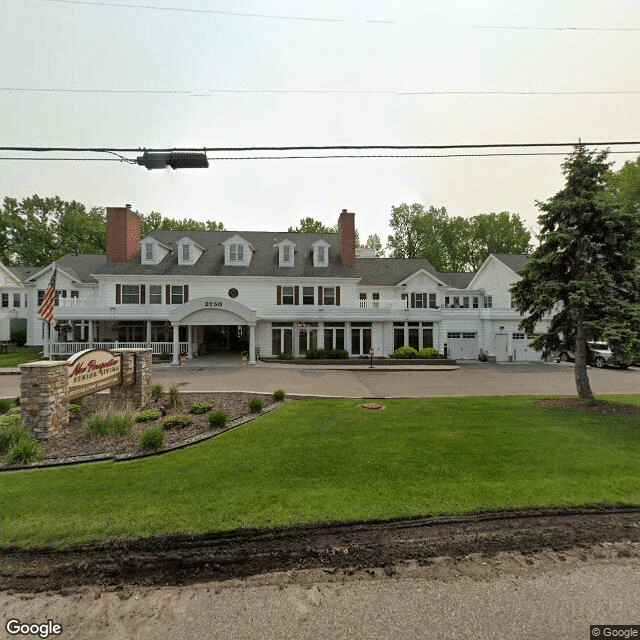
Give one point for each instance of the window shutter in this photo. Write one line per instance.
(319, 295)
(168, 292)
(297, 294)
(118, 287)
(185, 293)
(337, 296)
(413, 300)
(143, 298)
(279, 295)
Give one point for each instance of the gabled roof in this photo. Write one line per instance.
(11, 272)
(265, 261)
(392, 271)
(515, 261)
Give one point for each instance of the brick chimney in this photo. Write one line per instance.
(123, 234)
(347, 237)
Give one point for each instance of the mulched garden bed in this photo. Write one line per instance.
(75, 441)
(599, 406)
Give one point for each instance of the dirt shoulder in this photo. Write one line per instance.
(338, 548)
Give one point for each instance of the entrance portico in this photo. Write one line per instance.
(212, 311)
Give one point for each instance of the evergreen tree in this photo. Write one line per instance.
(585, 269)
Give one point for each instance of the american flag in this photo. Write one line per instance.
(46, 310)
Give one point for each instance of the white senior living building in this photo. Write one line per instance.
(267, 293)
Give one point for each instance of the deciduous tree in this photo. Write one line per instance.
(585, 269)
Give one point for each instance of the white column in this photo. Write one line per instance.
(252, 344)
(149, 334)
(90, 334)
(320, 341)
(190, 342)
(176, 344)
(347, 337)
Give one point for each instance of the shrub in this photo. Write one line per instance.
(118, 423)
(74, 407)
(148, 414)
(10, 434)
(278, 395)
(24, 450)
(79, 401)
(157, 391)
(339, 354)
(98, 426)
(405, 352)
(152, 439)
(255, 405)
(176, 421)
(285, 356)
(218, 418)
(165, 356)
(17, 401)
(429, 352)
(174, 396)
(201, 407)
(5, 405)
(9, 420)
(19, 337)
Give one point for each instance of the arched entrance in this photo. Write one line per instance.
(207, 316)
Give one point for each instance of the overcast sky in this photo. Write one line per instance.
(279, 73)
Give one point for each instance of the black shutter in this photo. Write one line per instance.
(185, 290)
(413, 300)
(319, 295)
(118, 298)
(143, 298)
(279, 295)
(297, 295)
(168, 292)
(338, 296)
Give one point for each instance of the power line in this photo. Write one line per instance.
(499, 145)
(322, 157)
(121, 5)
(207, 93)
(529, 28)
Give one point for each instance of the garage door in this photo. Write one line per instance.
(522, 350)
(462, 345)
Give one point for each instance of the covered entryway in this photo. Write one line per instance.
(219, 323)
(462, 345)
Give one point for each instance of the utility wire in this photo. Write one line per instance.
(207, 93)
(501, 145)
(321, 157)
(528, 28)
(121, 5)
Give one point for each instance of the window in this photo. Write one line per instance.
(518, 336)
(432, 301)
(456, 301)
(176, 294)
(186, 253)
(5, 299)
(40, 297)
(329, 294)
(233, 292)
(130, 294)
(287, 295)
(376, 300)
(334, 335)
(155, 294)
(465, 302)
(488, 302)
(75, 295)
(320, 254)
(60, 293)
(363, 296)
(16, 299)
(148, 251)
(286, 253)
(468, 335)
(307, 295)
(453, 334)
(476, 302)
(418, 300)
(236, 253)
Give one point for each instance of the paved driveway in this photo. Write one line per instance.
(470, 379)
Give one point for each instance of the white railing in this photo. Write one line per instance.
(381, 304)
(82, 303)
(157, 348)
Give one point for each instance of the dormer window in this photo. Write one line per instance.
(149, 251)
(286, 251)
(186, 253)
(236, 253)
(320, 254)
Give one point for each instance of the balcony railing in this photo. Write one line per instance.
(380, 304)
(79, 303)
(157, 348)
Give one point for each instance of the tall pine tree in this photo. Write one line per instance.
(585, 270)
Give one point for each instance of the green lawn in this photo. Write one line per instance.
(324, 460)
(20, 355)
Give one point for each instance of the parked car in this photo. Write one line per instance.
(599, 354)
